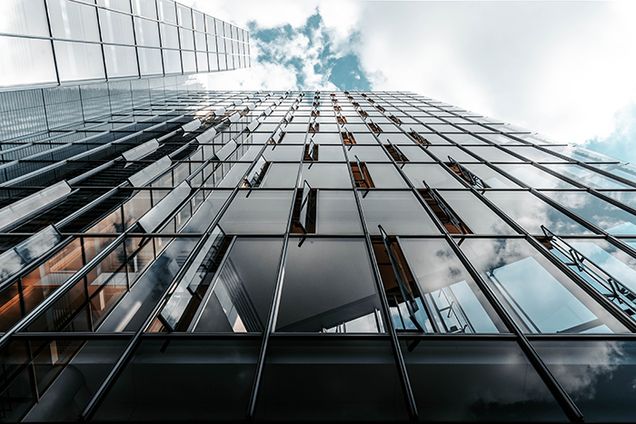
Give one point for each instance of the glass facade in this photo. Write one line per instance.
(53, 42)
(279, 256)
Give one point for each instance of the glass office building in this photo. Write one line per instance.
(323, 256)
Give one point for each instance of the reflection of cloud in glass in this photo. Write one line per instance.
(592, 362)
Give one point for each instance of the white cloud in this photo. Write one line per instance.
(559, 68)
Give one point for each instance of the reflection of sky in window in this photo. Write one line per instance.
(531, 213)
(617, 263)
(590, 178)
(554, 311)
(606, 216)
(541, 298)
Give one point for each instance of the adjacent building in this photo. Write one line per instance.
(329, 256)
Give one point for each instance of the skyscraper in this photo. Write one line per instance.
(328, 256)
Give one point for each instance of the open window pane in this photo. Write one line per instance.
(540, 297)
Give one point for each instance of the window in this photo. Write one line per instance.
(399, 213)
(598, 212)
(453, 301)
(260, 212)
(331, 379)
(448, 377)
(432, 174)
(532, 213)
(241, 295)
(328, 287)
(475, 214)
(538, 295)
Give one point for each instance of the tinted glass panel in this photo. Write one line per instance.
(242, 293)
(598, 375)
(448, 383)
(328, 287)
(331, 379)
(398, 212)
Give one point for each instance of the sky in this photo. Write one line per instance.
(565, 69)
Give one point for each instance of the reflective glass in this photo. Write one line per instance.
(448, 382)
(434, 175)
(532, 213)
(25, 17)
(540, 297)
(193, 368)
(326, 175)
(533, 176)
(598, 375)
(337, 213)
(595, 210)
(399, 213)
(328, 287)
(385, 175)
(587, 176)
(26, 61)
(331, 380)
(73, 20)
(116, 27)
(260, 212)
(79, 61)
(120, 61)
(474, 213)
(241, 295)
(455, 302)
(490, 176)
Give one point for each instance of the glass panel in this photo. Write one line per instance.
(120, 61)
(531, 213)
(538, 295)
(75, 369)
(628, 198)
(474, 213)
(280, 175)
(150, 61)
(581, 153)
(398, 212)
(587, 177)
(326, 175)
(337, 213)
(533, 176)
(455, 301)
(620, 170)
(116, 27)
(262, 212)
(194, 369)
(534, 154)
(385, 176)
(434, 175)
(493, 154)
(242, 292)
(25, 17)
(26, 61)
(606, 216)
(331, 380)
(598, 375)
(448, 378)
(171, 61)
(490, 176)
(73, 20)
(79, 61)
(328, 287)
(367, 153)
(147, 33)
